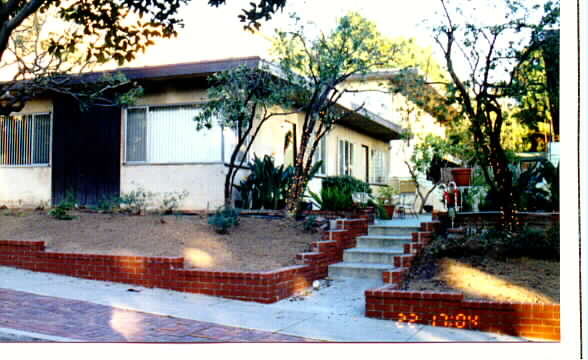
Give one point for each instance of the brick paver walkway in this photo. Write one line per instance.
(89, 322)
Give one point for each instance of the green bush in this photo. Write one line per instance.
(534, 189)
(61, 211)
(332, 199)
(170, 202)
(381, 212)
(137, 201)
(347, 183)
(531, 243)
(310, 224)
(502, 244)
(267, 184)
(336, 192)
(224, 219)
(108, 204)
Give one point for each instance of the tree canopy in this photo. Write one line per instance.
(494, 53)
(243, 100)
(317, 66)
(98, 31)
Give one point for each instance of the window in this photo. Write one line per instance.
(230, 142)
(345, 157)
(167, 134)
(290, 144)
(25, 139)
(378, 167)
(320, 154)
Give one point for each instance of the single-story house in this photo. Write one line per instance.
(51, 147)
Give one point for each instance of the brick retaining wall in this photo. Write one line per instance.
(169, 273)
(484, 219)
(452, 310)
(447, 309)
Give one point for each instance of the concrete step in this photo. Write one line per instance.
(383, 241)
(345, 270)
(392, 230)
(372, 256)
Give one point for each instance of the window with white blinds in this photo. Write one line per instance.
(167, 134)
(345, 157)
(378, 168)
(320, 154)
(230, 140)
(25, 140)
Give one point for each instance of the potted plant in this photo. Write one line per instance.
(462, 176)
(386, 197)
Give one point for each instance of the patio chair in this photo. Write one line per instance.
(407, 198)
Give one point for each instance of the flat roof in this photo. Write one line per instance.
(366, 122)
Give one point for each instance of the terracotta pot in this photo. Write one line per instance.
(389, 210)
(461, 176)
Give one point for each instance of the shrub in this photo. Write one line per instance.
(310, 224)
(534, 189)
(137, 201)
(108, 204)
(380, 210)
(267, 184)
(347, 183)
(60, 212)
(171, 201)
(332, 199)
(501, 244)
(386, 194)
(531, 243)
(224, 219)
(336, 192)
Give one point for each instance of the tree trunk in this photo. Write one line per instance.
(229, 187)
(298, 185)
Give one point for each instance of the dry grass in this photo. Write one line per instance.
(520, 280)
(255, 245)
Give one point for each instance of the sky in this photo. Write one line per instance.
(214, 33)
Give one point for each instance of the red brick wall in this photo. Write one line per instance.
(534, 220)
(168, 273)
(365, 213)
(450, 309)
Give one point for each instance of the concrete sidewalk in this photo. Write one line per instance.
(96, 311)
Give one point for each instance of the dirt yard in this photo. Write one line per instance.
(255, 245)
(512, 280)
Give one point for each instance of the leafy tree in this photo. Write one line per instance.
(243, 100)
(427, 153)
(538, 106)
(103, 30)
(317, 67)
(493, 55)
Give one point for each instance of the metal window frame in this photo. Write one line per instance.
(147, 108)
(319, 156)
(378, 154)
(32, 164)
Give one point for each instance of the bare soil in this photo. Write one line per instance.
(521, 280)
(257, 244)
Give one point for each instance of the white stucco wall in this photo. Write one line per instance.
(204, 182)
(31, 186)
(26, 187)
(420, 124)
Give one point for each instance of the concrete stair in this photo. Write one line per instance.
(374, 252)
(392, 230)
